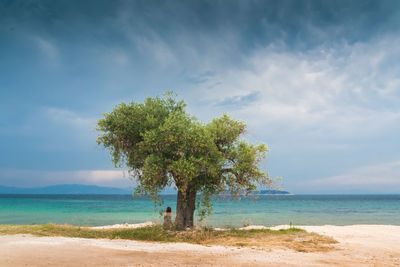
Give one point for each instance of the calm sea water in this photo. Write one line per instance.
(94, 210)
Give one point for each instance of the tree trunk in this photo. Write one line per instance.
(185, 206)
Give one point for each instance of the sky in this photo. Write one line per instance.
(318, 81)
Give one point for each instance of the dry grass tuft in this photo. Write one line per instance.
(292, 238)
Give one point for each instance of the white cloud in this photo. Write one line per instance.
(345, 91)
(46, 47)
(384, 174)
(30, 178)
(96, 176)
(62, 128)
(155, 48)
(80, 128)
(69, 117)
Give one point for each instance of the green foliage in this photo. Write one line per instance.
(162, 145)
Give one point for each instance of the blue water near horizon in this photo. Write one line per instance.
(95, 210)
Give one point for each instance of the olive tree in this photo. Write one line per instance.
(162, 145)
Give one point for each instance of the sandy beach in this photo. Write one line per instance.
(359, 245)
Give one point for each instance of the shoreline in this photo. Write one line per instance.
(358, 245)
(124, 225)
(249, 227)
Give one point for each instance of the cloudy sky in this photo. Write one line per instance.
(318, 81)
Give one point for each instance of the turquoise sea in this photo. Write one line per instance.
(94, 210)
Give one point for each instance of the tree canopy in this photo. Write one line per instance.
(162, 145)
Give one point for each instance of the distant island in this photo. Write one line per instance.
(274, 192)
(79, 189)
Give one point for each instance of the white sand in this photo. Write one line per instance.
(125, 225)
(359, 245)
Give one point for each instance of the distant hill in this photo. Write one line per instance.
(274, 192)
(70, 189)
(78, 189)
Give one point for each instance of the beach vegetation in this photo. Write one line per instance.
(292, 238)
(162, 145)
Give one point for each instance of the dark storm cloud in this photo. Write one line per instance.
(258, 23)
